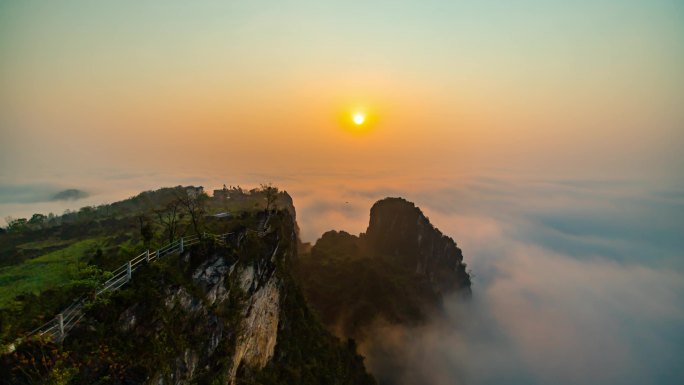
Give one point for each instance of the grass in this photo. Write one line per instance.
(42, 244)
(46, 271)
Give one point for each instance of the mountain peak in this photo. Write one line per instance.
(399, 228)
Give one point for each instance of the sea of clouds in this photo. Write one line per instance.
(575, 281)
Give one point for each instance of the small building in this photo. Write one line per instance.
(233, 193)
(194, 191)
(223, 193)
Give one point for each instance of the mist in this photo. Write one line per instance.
(544, 137)
(575, 282)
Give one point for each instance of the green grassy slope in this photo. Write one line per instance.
(49, 270)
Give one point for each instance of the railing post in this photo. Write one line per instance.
(128, 271)
(181, 245)
(147, 256)
(60, 320)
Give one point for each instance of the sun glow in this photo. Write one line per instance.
(357, 119)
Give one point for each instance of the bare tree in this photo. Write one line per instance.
(146, 231)
(271, 193)
(169, 217)
(194, 201)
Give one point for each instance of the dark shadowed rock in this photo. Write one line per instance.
(400, 229)
(397, 272)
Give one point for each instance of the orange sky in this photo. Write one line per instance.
(577, 89)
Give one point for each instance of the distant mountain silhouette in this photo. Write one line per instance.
(71, 194)
(397, 271)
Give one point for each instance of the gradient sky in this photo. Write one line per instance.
(589, 88)
(545, 136)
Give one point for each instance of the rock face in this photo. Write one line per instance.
(397, 227)
(255, 334)
(217, 314)
(256, 344)
(252, 329)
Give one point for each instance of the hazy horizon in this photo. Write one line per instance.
(545, 137)
(575, 281)
(588, 89)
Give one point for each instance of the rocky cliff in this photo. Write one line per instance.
(217, 314)
(397, 272)
(400, 229)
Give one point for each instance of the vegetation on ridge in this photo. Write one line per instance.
(103, 350)
(45, 260)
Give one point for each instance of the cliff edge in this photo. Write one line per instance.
(218, 313)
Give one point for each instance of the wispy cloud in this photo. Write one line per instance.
(36, 193)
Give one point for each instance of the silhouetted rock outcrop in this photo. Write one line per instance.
(398, 271)
(398, 228)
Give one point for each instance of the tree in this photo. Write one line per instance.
(194, 201)
(271, 193)
(146, 231)
(168, 217)
(16, 225)
(86, 213)
(53, 220)
(104, 209)
(37, 221)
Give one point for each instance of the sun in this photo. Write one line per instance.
(357, 119)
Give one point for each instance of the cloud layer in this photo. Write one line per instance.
(575, 282)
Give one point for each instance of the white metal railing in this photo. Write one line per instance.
(58, 327)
